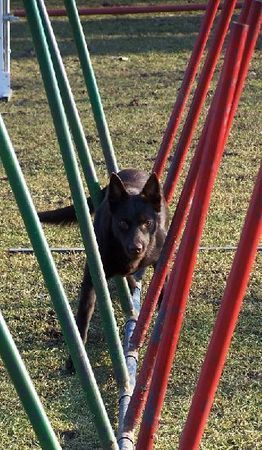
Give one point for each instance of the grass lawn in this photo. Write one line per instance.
(138, 92)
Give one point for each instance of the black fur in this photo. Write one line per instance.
(130, 226)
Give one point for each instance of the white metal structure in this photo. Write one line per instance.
(5, 88)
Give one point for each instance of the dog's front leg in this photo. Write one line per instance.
(86, 306)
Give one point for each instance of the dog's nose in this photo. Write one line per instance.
(135, 249)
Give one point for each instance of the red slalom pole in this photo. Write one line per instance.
(178, 220)
(225, 323)
(237, 281)
(158, 279)
(244, 11)
(140, 392)
(254, 21)
(179, 217)
(198, 99)
(185, 89)
(181, 275)
(169, 248)
(121, 10)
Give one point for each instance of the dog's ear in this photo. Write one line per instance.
(116, 190)
(152, 192)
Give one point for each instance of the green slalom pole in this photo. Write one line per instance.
(78, 194)
(91, 85)
(25, 389)
(71, 109)
(101, 124)
(56, 290)
(79, 139)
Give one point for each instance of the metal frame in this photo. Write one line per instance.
(5, 79)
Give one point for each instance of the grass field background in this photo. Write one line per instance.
(138, 92)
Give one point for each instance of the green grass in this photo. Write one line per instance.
(138, 94)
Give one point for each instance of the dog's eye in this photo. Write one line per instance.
(148, 223)
(123, 224)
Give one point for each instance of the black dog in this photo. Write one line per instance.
(130, 226)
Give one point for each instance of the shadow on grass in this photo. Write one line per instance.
(119, 35)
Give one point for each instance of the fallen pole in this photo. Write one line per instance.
(126, 440)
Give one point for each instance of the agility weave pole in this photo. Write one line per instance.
(130, 447)
(25, 389)
(64, 139)
(100, 120)
(185, 89)
(225, 323)
(199, 98)
(130, 310)
(56, 291)
(71, 333)
(140, 392)
(78, 194)
(78, 132)
(180, 279)
(179, 217)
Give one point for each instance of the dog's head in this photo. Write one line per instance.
(135, 216)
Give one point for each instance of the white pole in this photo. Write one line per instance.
(5, 88)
